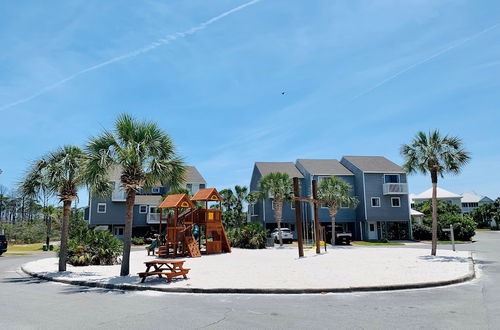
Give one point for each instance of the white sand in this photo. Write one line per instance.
(340, 267)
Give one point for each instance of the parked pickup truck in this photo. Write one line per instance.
(341, 237)
(3, 244)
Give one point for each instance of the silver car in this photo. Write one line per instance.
(286, 235)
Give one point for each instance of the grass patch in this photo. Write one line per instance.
(25, 247)
(375, 243)
(486, 229)
(10, 254)
(449, 242)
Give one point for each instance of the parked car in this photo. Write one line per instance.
(286, 235)
(342, 237)
(3, 244)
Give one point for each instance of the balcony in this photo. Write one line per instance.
(153, 218)
(395, 189)
(118, 196)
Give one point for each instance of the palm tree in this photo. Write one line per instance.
(335, 193)
(279, 187)
(241, 195)
(146, 157)
(59, 172)
(252, 199)
(436, 155)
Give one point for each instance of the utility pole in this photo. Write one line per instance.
(298, 220)
(316, 218)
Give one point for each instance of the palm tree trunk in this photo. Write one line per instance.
(63, 251)
(127, 233)
(434, 211)
(277, 216)
(333, 215)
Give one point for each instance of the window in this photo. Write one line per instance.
(143, 209)
(189, 187)
(202, 186)
(101, 208)
(372, 227)
(395, 202)
(292, 205)
(155, 190)
(391, 178)
(375, 201)
(118, 231)
(153, 209)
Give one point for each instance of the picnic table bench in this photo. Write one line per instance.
(169, 268)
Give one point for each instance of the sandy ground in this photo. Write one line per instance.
(340, 267)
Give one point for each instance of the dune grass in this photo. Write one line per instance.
(25, 247)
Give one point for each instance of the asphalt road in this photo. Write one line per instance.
(27, 303)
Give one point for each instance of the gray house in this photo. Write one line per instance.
(379, 184)
(109, 213)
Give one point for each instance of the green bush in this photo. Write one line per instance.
(93, 247)
(28, 232)
(250, 236)
(464, 227)
(137, 240)
(421, 232)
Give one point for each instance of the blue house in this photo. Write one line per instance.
(109, 213)
(379, 184)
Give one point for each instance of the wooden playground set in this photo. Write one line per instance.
(189, 227)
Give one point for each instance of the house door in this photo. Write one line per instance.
(118, 231)
(372, 231)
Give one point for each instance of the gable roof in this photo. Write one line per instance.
(177, 200)
(441, 193)
(375, 164)
(193, 176)
(283, 167)
(473, 198)
(324, 167)
(207, 194)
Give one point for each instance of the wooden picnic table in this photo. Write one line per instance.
(169, 268)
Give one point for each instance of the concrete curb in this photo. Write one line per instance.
(132, 287)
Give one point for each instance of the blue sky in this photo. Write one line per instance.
(361, 78)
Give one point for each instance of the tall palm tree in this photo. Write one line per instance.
(146, 157)
(279, 187)
(252, 199)
(335, 192)
(60, 172)
(241, 195)
(434, 154)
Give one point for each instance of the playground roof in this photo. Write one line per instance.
(207, 194)
(177, 200)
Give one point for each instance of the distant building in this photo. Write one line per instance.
(466, 201)
(472, 201)
(109, 213)
(442, 194)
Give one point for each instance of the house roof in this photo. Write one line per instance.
(416, 213)
(473, 198)
(441, 193)
(207, 194)
(377, 164)
(176, 200)
(283, 167)
(193, 176)
(324, 167)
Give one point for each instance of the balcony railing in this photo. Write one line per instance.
(153, 218)
(395, 188)
(118, 196)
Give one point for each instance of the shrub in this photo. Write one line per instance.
(137, 240)
(93, 247)
(463, 227)
(422, 232)
(250, 236)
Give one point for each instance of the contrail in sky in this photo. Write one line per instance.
(156, 44)
(439, 53)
